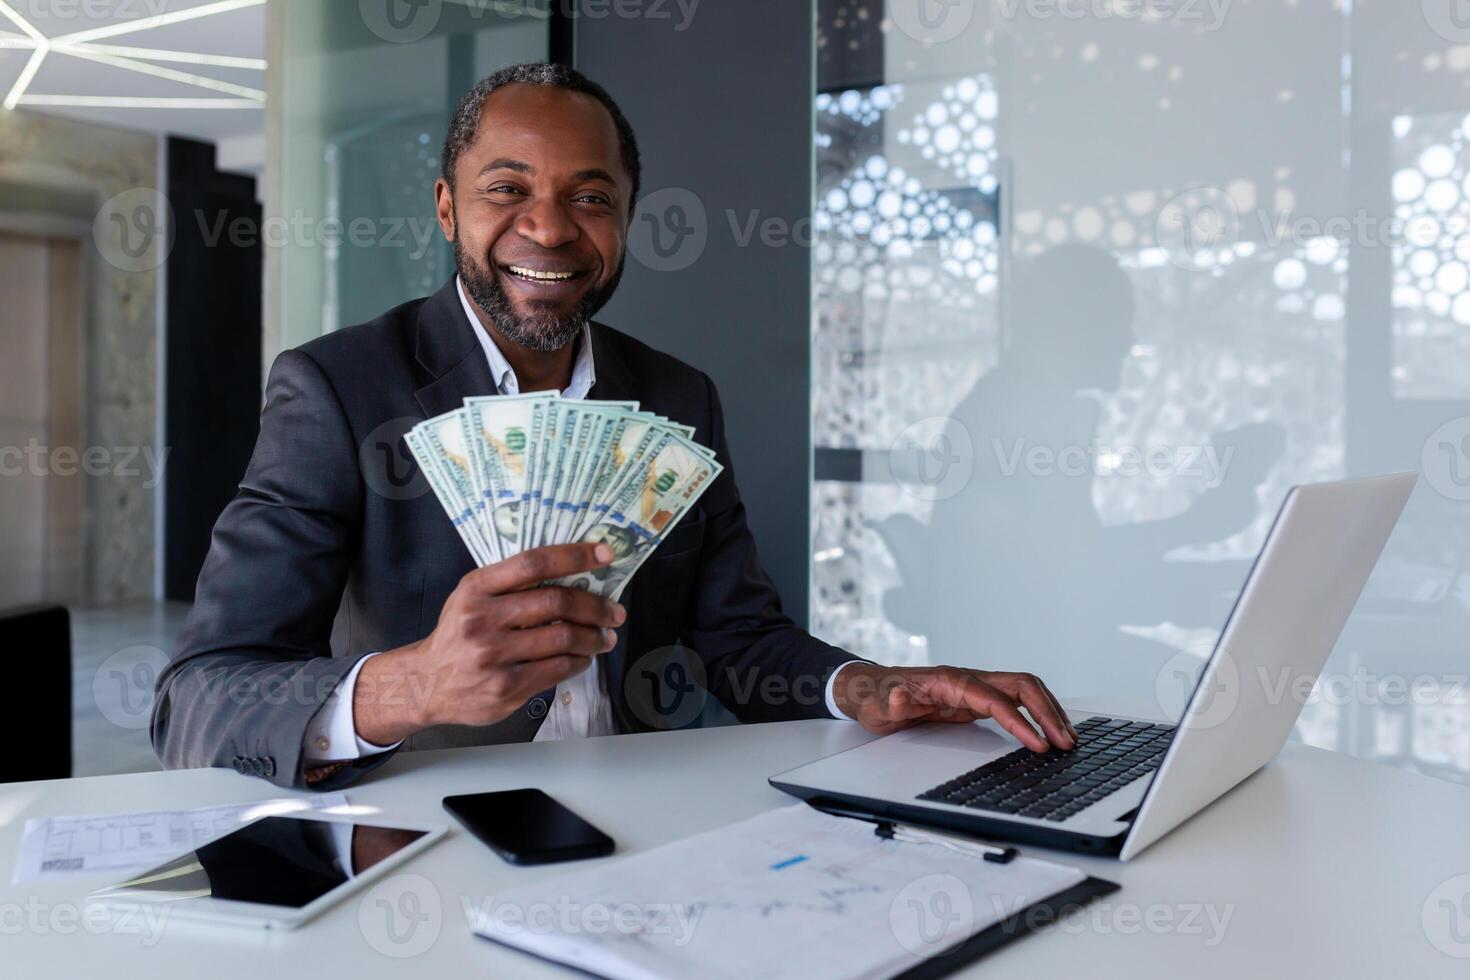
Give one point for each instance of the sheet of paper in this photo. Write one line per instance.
(790, 893)
(126, 843)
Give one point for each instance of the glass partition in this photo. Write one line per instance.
(365, 97)
(1094, 284)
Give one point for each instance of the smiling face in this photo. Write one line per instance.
(539, 213)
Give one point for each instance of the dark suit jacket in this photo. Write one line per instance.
(321, 510)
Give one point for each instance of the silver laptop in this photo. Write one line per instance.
(1130, 781)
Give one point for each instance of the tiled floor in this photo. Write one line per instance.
(117, 652)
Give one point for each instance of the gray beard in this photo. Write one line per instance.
(544, 332)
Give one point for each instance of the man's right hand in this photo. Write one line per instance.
(500, 639)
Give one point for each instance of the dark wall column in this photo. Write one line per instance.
(212, 401)
(718, 270)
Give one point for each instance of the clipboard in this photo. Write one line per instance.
(1031, 919)
(793, 892)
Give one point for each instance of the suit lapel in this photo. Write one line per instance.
(446, 346)
(614, 380)
(471, 376)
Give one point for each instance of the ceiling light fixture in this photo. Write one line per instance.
(77, 45)
(30, 31)
(38, 41)
(135, 102)
(158, 71)
(26, 74)
(160, 54)
(160, 20)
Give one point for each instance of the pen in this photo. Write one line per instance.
(994, 853)
(889, 830)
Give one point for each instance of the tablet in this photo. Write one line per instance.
(276, 872)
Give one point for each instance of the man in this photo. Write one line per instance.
(1043, 392)
(540, 176)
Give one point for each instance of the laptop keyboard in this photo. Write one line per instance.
(1110, 754)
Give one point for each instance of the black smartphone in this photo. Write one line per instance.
(525, 826)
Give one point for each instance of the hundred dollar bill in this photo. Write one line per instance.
(545, 427)
(502, 443)
(635, 437)
(431, 460)
(590, 455)
(601, 420)
(644, 436)
(665, 488)
(477, 486)
(444, 438)
(570, 419)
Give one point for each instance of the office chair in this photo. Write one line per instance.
(39, 676)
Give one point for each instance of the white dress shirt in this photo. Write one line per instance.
(581, 707)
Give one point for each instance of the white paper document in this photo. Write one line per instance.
(790, 893)
(126, 843)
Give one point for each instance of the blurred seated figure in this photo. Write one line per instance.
(1017, 564)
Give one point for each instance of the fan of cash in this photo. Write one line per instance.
(520, 471)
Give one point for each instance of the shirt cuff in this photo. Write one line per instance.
(331, 735)
(832, 708)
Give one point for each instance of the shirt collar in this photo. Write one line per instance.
(584, 373)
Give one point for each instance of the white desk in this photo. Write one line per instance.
(1323, 864)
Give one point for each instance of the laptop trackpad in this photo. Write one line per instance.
(972, 738)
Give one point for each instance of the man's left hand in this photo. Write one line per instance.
(887, 699)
